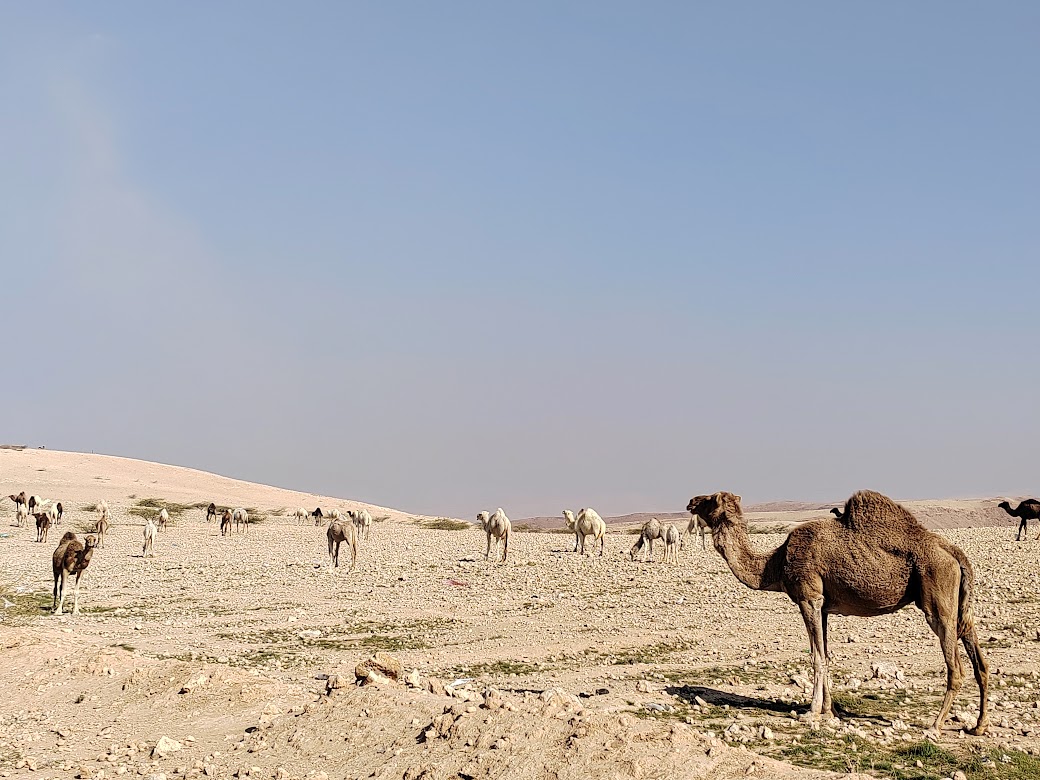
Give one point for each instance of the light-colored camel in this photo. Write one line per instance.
(21, 515)
(652, 529)
(71, 558)
(587, 523)
(362, 521)
(225, 523)
(496, 526)
(162, 519)
(875, 560)
(150, 534)
(340, 531)
(1025, 511)
(101, 528)
(300, 515)
(671, 544)
(240, 517)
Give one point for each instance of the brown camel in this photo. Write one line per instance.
(71, 558)
(211, 512)
(19, 499)
(875, 560)
(1025, 511)
(43, 525)
(225, 523)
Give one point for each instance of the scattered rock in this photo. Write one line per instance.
(165, 746)
(383, 665)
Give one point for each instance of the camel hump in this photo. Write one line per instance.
(68, 537)
(868, 510)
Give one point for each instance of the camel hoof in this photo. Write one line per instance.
(979, 730)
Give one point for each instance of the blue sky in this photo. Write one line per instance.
(458, 257)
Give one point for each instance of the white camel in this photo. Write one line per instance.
(587, 523)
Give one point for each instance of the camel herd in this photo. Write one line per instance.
(872, 558)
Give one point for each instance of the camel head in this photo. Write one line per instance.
(482, 518)
(89, 543)
(716, 509)
(568, 515)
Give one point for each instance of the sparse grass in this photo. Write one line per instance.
(88, 508)
(446, 524)
(851, 754)
(149, 507)
(499, 669)
(25, 607)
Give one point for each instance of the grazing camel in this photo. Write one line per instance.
(240, 517)
(338, 532)
(317, 515)
(150, 534)
(1025, 511)
(652, 529)
(362, 521)
(225, 523)
(71, 558)
(162, 519)
(498, 526)
(43, 524)
(211, 512)
(875, 560)
(300, 515)
(101, 528)
(671, 544)
(587, 523)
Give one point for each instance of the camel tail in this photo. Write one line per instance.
(966, 599)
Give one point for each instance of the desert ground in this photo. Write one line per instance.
(236, 657)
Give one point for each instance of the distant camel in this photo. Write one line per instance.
(652, 529)
(211, 512)
(43, 524)
(874, 561)
(1026, 510)
(60, 510)
(150, 534)
(162, 519)
(497, 527)
(317, 515)
(587, 523)
(342, 531)
(240, 517)
(225, 523)
(101, 528)
(836, 511)
(71, 558)
(19, 500)
(300, 515)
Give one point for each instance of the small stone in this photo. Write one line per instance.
(165, 746)
(643, 686)
(413, 680)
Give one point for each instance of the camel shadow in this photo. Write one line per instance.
(717, 698)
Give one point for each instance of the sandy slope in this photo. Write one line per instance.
(248, 627)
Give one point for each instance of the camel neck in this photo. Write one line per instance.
(759, 571)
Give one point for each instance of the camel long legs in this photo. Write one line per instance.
(945, 628)
(812, 615)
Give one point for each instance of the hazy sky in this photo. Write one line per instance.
(453, 256)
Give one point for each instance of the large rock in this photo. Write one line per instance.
(165, 746)
(382, 665)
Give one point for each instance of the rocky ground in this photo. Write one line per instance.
(236, 656)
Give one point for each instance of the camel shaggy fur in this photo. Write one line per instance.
(225, 523)
(875, 560)
(652, 529)
(240, 516)
(496, 526)
(671, 544)
(1025, 511)
(211, 512)
(337, 533)
(362, 521)
(43, 525)
(150, 534)
(71, 558)
(587, 523)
